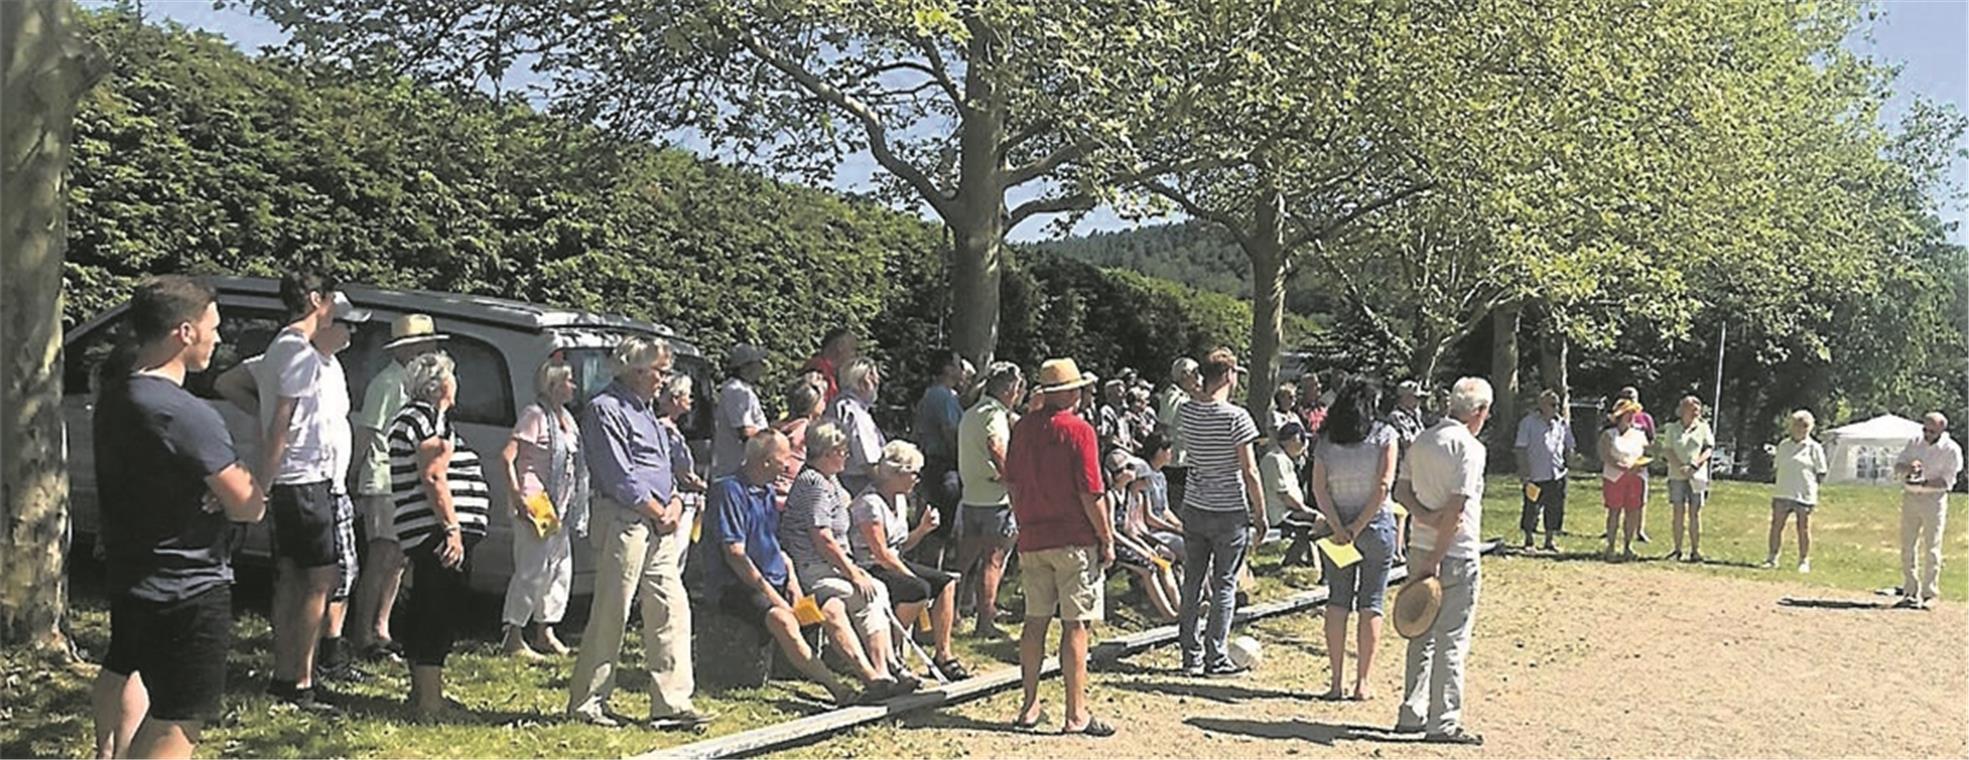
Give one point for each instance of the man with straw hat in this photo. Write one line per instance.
(1066, 541)
(382, 569)
(1444, 491)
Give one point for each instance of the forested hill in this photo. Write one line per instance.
(1196, 254)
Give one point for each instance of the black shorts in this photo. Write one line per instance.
(303, 523)
(745, 604)
(926, 584)
(179, 647)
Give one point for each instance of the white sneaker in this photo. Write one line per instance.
(1805, 566)
(1769, 563)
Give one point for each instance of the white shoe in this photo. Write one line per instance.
(1805, 566)
(1769, 563)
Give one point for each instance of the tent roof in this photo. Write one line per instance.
(1886, 427)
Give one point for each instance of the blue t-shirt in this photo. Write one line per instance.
(744, 513)
(155, 445)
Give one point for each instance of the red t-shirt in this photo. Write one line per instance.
(1052, 460)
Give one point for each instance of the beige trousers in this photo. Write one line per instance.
(1922, 515)
(631, 558)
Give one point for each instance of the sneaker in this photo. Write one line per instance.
(1805, 566)
(1455, 736)
(1907, 603)
(1226, 671)
(1695, 558)
(308, 699)
(688, 719)
(1641, 536)
(1406, 729)
(341, 672)
(1770, 563)
(1193, 671)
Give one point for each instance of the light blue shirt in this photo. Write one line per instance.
(630, 458)
(1546, 445)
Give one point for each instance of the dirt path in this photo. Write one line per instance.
(1574, 659)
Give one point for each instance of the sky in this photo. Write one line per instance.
(1928, 38)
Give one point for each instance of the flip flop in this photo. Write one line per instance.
(1038, 718)
(1332, 696)
(1095, 727)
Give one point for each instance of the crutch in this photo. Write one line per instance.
(896, 628)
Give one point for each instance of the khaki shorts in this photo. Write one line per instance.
(869, 615)
(379, 517)
(1066, 583)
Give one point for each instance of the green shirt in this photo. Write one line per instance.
(1278, 475)
(1682, 445)
(380, 403)
(986, 421)
(1172, 398)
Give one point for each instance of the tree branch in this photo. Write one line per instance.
(1191, 207)
(939, 71)
(1038, 168)
(1053, 205)
(878, 135)
(1325, 231)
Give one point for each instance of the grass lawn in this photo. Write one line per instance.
(1856, 532)
(515, 705)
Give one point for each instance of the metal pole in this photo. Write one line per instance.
(1716, 405)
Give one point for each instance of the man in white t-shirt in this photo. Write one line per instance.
(304, 424)
(1928, 467)
(1444, 492)
(738, 414)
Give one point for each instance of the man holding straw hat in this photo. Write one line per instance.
(1444, 491)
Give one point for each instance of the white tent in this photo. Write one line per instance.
(1864, 452)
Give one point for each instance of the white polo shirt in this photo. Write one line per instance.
(1446, 460)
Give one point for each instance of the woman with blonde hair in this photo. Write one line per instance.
(882, 534)
(1623, 476)
(542, 460)
(1687, 444)
(1800, 465)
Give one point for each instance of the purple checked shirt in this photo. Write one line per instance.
(630, 459)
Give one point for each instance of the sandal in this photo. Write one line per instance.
(952, 669)
(1032, 726)
(1333, 695)
(1095, 727)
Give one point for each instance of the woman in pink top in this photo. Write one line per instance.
(806, 399)
(1623, 475)
(543, 456)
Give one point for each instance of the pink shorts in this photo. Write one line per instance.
(1626, 493)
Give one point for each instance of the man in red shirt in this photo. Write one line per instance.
(1066, 541)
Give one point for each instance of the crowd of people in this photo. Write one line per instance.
(817, 518)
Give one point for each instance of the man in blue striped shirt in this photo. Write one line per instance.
(636, 525)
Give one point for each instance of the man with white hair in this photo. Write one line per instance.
(1184, 383)
(853, 410)
(1928, 467)
(634, 522)
(1444, 492)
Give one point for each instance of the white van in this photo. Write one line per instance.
(497, 343)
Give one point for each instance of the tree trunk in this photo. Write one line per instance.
(48, 68)
(1504, 377)
(1426, 355)
(1266, 251)
(977, 217)
(1552, 361)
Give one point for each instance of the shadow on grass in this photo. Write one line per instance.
(1221, 693)
(1324, 734)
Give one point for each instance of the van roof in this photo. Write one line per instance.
(504, 312)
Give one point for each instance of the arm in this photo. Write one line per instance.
(1389, 455)
(1248, 469)
(236, 386)
(878, 545)
(605, 440)
(509, 454)
(273, 438)
(434, 465)
(1446, 522)
(237, 494)
(1405, 496)
(1096, 510)
(832, 551)
(1524, 462)
(1323, 497)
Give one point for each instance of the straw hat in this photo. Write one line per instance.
(1416, 606)
(1061, 375)
(413, 328)
(1624, 406)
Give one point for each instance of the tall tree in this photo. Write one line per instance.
(48, 67)
(961, 103)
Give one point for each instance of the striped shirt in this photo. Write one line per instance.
(416, 517)
(1213, 431)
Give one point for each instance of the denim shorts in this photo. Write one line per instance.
(1363, 586)
(1684, 492)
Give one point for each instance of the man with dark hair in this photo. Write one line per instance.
(172, 487)
(305, 449)
(837, 348)
(938, 414)
(737, 416)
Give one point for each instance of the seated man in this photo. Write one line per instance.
(756, 581)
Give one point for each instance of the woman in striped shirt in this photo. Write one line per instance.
(441, 506)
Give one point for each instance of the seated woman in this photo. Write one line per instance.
(1285, 499)
(1162, 521)
(1134, 549)
(881, 535)
(814, 534)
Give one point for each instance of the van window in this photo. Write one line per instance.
(485, 384)
(244, 332)
(85, 352)
(593, 371)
